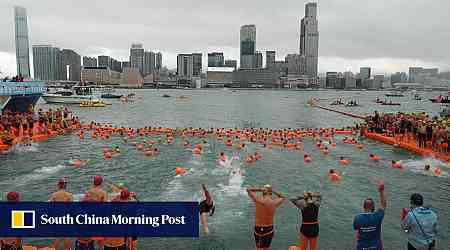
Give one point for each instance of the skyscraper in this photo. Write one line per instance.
(197, 61)
(215, 59)
(137, 56)
(364, 73)
(248, 46)
(185, 65)
(71, 65)
(89, 61)
(104, 61)
(149, 62)
(309, 39)
(22, 44)
(158, 62)
(231, 64)
(44, 62)
(270, 59)
(258, 59)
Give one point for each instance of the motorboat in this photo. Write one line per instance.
(351, 104)
(75, 95)
(378, 101)
(108, 94)
(391, 103)
(440, 99)
(166, 95)
(394, 94)
(182, 97)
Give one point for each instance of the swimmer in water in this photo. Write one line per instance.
(117, 150)
(427, 168)
(206, 206)
(61, 196)
(223, 157)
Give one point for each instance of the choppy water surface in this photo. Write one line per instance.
(34, 171)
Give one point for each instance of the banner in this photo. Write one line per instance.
(109, 219)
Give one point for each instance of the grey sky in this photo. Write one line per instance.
(389, 35)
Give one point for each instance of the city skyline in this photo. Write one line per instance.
(342, 46)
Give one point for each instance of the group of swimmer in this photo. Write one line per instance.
(22, 128)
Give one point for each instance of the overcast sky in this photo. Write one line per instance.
(388, 35)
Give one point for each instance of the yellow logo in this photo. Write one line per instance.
(22, 219)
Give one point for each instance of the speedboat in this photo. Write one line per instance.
(337, 102)
(440, 99)
(351, 104)
(378, 101)
(108, 94)
(391, 103)
(93, 104)
(166, 95)
(394, 94)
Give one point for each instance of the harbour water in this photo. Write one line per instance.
(34, 171)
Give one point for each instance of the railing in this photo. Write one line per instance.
(21, 88)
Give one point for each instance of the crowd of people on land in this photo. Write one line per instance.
(19, 128)
(428, 132)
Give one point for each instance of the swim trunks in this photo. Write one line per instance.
(263, 236)
(4, 246)
(84, 245)
(123, 247)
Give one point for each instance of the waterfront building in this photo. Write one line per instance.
(331, 80)
(22, 43)
(350, 80)
(231, 63)
(100, 76)
(89, 61)
(219, 77)
(215, 59)
(248, 46)
(256, 78)
(71, 65)
(158, 62)
(416, 72)
(149, 62)
(131, 78)
(185, 66)
(399, 77)
(44, 62)
(364, 73)
(137, 56)
(309, 39)
(125, 64)
(281, 67)
(296, 64)
(197, 64)
(104, 61)
(270, 58)
(258, 59)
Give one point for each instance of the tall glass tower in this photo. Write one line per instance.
(22, 45)
(309, 39)
(248, 46)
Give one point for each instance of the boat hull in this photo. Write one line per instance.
(20, 103)
(49, 98)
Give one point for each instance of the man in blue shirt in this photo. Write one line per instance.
(420, 224)
(368, 224)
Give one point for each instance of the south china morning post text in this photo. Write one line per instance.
(110, 219)
(115, 219)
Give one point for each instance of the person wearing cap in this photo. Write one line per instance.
(368, 224)
(11, 243)
(96, 193)
(309, 205)
(420, 223)
(61, 195)
(265, 212)
(119, 243)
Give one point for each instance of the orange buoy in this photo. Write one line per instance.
(180, 170)
(77, 163)
(294, 248)
(360, 146)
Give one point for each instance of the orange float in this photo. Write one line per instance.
(40, 137)
(180, 171)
